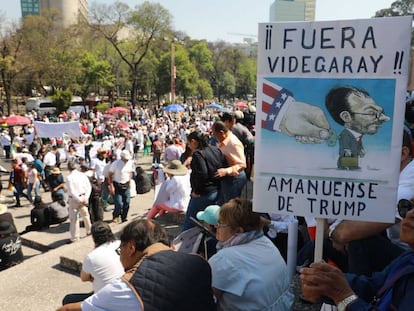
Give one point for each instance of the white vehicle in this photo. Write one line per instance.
(41, 105)
(77, 106)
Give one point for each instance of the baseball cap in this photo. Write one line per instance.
(210, 215)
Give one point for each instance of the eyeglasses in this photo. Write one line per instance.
(376, 115)
(221, 225)
(118, 250)
(404, 206)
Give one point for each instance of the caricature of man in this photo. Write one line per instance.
(360, 115)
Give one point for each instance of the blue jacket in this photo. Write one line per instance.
(396, 280)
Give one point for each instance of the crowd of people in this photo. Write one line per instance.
(201, 162)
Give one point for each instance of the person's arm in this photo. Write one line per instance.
(217, 293)
(76, 306)
(110, 182)
(349, 230)
(86, 277)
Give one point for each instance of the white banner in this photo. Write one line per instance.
(51, 130)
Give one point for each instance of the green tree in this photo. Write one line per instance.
(201, 56)
(187, 79)
(143, 24)
(10, 64)
(61, 99)
(398, 8)
(246, 78)
(92, 74)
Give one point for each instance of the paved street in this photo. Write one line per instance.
(48, 272)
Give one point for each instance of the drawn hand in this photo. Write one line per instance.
(306, 122)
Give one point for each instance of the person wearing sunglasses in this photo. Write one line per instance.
(390, 289)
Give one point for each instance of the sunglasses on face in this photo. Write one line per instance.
(404, 206)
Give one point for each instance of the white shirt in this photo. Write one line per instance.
(129, 146)
(5, 140)
(115, 296)
(122, 171)
(99, 166)
(78, 184)
(32, 176)
(49, 159)
(103, 264)
(179, 190)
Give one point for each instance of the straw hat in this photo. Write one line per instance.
(176, 168)
(100, 150)
(55, 171)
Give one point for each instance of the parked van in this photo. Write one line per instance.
(41, 105)
(77, 106)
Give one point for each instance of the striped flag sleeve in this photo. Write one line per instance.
(276, 100)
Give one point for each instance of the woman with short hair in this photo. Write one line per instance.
(247, 263)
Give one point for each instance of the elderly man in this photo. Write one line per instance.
(182, 281)
(79, 190)
(119, 177)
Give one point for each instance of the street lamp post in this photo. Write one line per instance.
(173, 73)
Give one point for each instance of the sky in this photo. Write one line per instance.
(232, 20)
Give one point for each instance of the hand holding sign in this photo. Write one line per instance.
(306, 122)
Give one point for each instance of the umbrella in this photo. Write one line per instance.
(241, 105)
(16, 120)
(214, 106)
(108, 116)
(118, 110)
(225, 110)
(174, 108)
(122, 125)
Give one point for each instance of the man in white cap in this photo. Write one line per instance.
(119, 177)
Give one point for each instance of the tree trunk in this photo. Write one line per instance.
(134, 91)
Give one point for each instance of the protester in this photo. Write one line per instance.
(142, 181)
(33, 182)
(390, 289)
(177, 191)
(79, 190)
(233, 177)
(58, 211)
(157, 149)
(206, 160)
(56, 182)
(102, 265)
(17, 179)
(182, 281)
(247, 263)
(119, 176)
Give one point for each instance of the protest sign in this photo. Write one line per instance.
(330, 114)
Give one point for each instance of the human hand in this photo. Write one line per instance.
(221, 172)
(306, 122)
(321, 279)
(111, 189)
